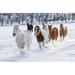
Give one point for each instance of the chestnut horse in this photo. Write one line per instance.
(53, 33)
(63, 31)
(39, 36)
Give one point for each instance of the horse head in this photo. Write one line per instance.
(49, 27)
(61, 25)
(15, 29)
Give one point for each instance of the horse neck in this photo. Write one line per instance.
(62, 26)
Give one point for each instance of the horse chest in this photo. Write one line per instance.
(40, 37)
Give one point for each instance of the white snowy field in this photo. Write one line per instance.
(62, 50)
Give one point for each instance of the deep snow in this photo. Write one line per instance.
(62, 50)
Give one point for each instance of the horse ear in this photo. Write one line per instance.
(51, 25)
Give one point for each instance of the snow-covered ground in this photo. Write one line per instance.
(62, 50)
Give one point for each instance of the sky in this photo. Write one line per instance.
(37, 6)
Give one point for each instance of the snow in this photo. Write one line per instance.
(61, 50)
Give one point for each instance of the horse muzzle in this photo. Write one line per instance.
(14, 34)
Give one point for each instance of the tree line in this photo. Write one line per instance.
(23, 18)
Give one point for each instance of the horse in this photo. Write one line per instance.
(45, 33)
(53, 33)
(23, 38)
(39, 35)
(63, 31)
(29, 27)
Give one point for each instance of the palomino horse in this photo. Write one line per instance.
(39, 36)
(53, 33)
(63, 31)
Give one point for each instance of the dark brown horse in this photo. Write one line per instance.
(63, 31)
(39, 35)
(53, 33)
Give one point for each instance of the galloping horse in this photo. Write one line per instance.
(53, 33)
(39, 36)
(63, 31)
(23, 38)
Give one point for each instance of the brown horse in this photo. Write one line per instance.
(39, 35)
(63, 31)
(53, 33)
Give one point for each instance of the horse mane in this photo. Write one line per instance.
(38, 28)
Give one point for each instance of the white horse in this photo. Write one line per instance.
(45, 33)
(23, 38)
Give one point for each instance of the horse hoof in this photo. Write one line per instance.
(23, 53)
(45, 46)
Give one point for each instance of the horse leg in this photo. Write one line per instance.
(49, 38)
(22, 52)
(60, 37)
(44, 44)
(28, 46)
(63, 37)
(52, 41)
(40, 45)
(56, 37)
(47, 41)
